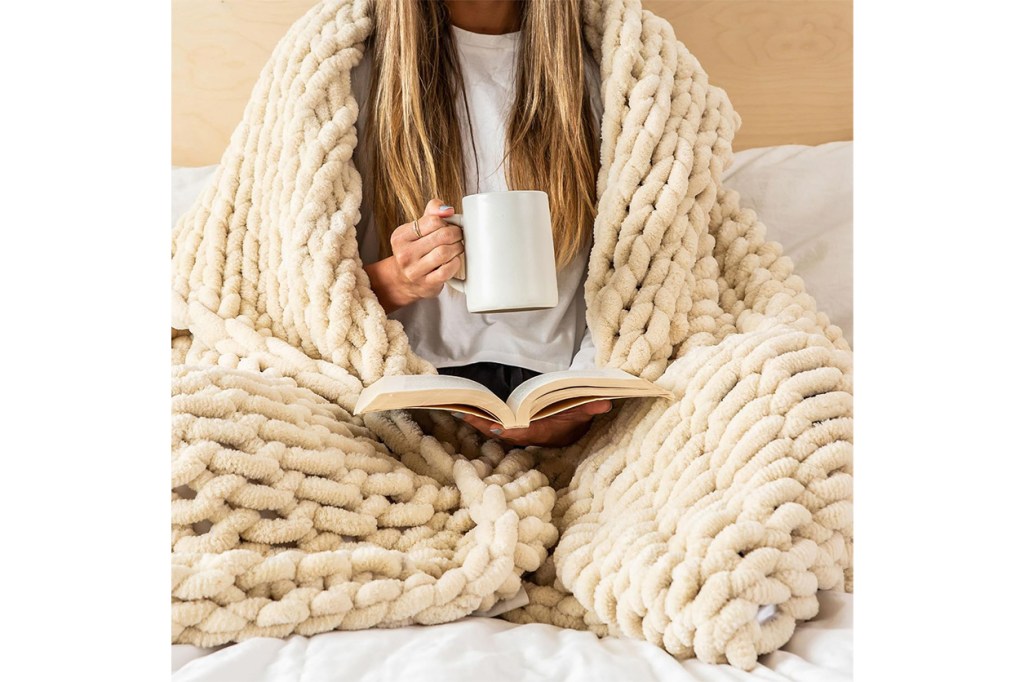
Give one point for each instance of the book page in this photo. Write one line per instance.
(430, 391)
(604, 382)
(563, 399)
(566, 404)
(466, 409)
(539, 383)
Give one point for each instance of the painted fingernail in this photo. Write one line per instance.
(497, 432)
(445, 207)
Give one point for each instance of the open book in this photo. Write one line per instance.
(535, 398)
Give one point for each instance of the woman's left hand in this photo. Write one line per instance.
(558, 430)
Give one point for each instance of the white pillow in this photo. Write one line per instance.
(186, 186)
(802, 194)
(804, 197)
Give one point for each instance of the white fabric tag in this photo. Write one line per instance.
(765, 613)
(520, 599)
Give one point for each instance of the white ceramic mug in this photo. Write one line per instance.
(509, 254)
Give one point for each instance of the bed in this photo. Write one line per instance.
(803, 194)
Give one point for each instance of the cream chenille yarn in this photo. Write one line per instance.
(674, 520)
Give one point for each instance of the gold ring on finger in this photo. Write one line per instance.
(416, 228)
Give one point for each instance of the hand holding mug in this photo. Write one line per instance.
(427, 252)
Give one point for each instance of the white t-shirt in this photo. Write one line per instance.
(440, 329)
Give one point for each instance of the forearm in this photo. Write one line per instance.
(385, 285)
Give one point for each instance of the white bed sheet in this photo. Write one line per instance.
(475, 649)
(803, 194)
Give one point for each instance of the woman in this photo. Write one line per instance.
(468, 96)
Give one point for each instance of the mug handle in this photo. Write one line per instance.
(456, 282)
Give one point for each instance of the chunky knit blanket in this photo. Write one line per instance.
(672, 520)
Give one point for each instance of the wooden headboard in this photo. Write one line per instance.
(786, 64)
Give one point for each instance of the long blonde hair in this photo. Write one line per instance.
(551, 141)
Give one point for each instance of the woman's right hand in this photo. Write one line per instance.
(425, 263)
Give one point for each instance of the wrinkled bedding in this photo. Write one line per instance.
(474, 649)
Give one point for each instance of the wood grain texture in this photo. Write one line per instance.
(218, 48)
(786, 64)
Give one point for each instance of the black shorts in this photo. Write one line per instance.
(501, 379)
